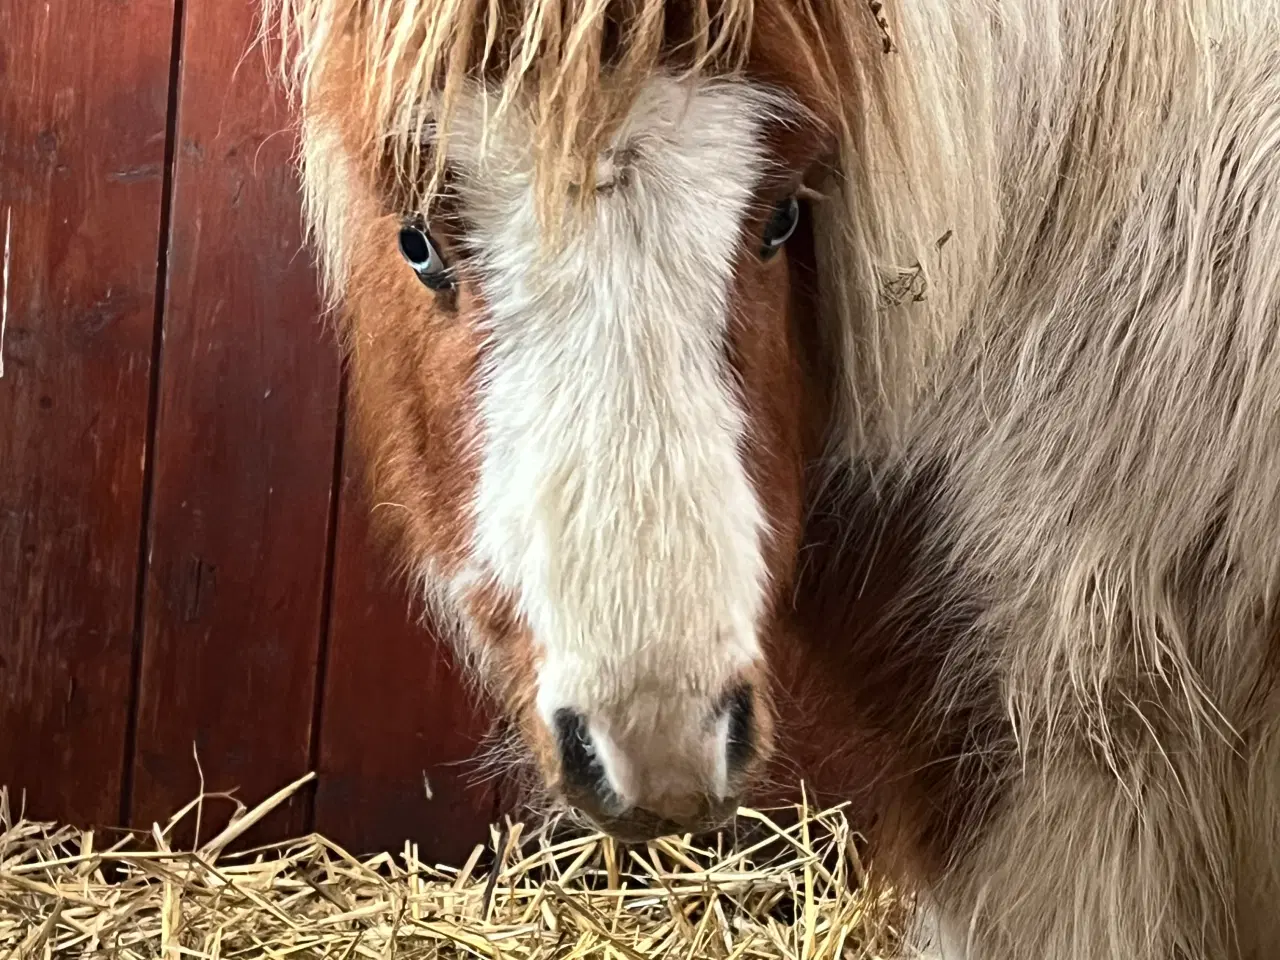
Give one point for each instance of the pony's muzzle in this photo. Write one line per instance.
(665, 782)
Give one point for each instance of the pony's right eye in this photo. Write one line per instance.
(782, 224)
(421, 254)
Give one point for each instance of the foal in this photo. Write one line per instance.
(906, 369)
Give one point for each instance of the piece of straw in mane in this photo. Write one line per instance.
(575, 65)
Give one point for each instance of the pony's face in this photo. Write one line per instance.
(595, 449)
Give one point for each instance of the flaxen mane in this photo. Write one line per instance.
(1048, 249)
(895, 187)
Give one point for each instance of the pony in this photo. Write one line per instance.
(748, 376)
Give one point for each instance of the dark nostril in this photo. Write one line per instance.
(580, 766)
(741, 743)
(577, 756)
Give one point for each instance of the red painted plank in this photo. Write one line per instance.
(395, 714)
(244, 449)
(83, 102)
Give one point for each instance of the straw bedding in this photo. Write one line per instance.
(790, 887)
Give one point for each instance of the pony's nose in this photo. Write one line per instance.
(640, 787)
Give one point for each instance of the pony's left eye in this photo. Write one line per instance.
(782, 224)
(421, 254)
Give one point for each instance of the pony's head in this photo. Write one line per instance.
(572, 248)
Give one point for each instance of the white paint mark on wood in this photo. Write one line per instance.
(4, 284)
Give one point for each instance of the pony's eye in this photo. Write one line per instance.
(783, 223)
(421, 254)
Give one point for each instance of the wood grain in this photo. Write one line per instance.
(249, 386)
(396, 720)
(83, 101)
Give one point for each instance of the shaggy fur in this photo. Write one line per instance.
(1050, 283)
(1106, 408)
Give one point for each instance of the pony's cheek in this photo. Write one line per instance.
(764, 725)
(541, 744)
(767, 352)
(501, 647)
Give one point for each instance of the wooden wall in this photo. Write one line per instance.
(183, 553)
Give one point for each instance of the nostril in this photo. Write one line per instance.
(577, 756)
(740, 743)
(580, 765)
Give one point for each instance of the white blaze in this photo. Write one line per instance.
(613, 499)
